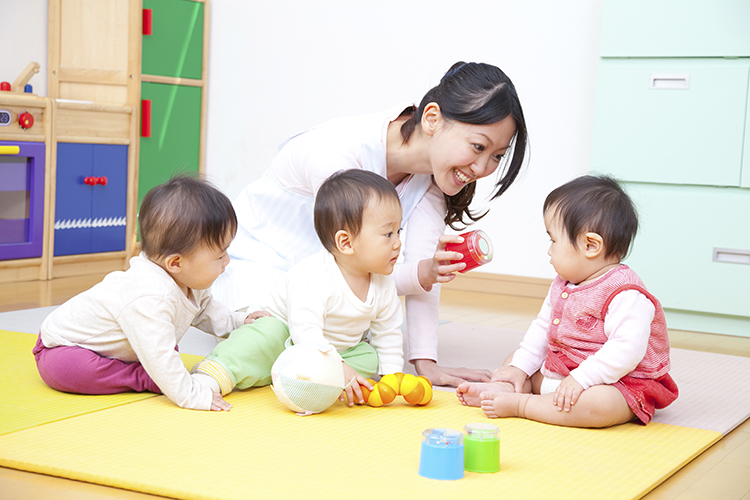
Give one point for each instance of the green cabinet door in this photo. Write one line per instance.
(674, 121)
(175, 47)
(681, 228)
(174, 145)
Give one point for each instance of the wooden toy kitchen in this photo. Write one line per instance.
(125, 110)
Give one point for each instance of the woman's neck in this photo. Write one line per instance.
(405, 158)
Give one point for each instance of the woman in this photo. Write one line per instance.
(466, 127)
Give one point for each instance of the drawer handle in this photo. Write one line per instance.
(731, 256)
(670, 82)
(10, 150)
(146, 118)
(148, 19)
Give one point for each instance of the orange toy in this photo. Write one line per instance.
(415, 390)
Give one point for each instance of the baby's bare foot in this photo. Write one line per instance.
(501, 405)
(470, 393)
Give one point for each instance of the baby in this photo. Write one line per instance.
(598, 352)
(121, 335)
(341, 297)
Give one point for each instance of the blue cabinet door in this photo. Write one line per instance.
(90, 216)
(109, 201)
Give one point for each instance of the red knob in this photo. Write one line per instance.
(26, 120)
(5, 86)
(102, 181)
(88, 181)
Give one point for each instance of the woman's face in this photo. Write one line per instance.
(461, 153)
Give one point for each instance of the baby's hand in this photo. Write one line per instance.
(567, 394)
(353, 393)
(255, 315)
(218, 403)
(510, 374)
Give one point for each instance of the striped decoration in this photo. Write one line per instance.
(89, 223)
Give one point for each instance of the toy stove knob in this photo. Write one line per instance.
(26, 120)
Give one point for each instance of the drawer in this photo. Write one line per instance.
(674, 250)
(677, 121)
(674, 28)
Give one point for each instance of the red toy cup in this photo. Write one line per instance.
(476, 249)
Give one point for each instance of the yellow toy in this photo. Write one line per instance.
(415, 390)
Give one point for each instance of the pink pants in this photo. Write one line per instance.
(82, 371)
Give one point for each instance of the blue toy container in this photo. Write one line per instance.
(442, 454)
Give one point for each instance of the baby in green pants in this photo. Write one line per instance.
(341, 296)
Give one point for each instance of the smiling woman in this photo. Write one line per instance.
(469, 126)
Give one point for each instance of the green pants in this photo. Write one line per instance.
(251, 350)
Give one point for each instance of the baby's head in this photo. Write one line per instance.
(590, 210)
(184, 217)
(358, 213)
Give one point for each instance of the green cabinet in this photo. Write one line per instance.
(173, 83)
(175, 46)
(174, 145)
(672, 120)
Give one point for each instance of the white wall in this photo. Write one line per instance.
(278, 67)
(23, 33)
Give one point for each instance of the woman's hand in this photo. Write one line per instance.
(440, 269)
(353, 393)
(255, 315)
(441, 375)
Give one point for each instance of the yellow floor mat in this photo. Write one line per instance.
(26, 401)
(261, 450)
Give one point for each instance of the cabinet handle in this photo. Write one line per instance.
(102, 180)
(670, 82)
(146, 118)
(731, 256)
(148, 19)
(10, 150)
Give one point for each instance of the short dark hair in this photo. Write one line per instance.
(341, 201)
(182, 214)
(477, 94)
(596, 204)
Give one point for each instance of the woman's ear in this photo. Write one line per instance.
(344, 242)
(430, 118)
(593, 245)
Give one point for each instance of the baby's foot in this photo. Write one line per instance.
(501, 405)
(469, 394)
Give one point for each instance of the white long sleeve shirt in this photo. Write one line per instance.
(140, 315)
(316, 302)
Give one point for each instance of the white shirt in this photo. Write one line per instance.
(140, 315)
(316, 302)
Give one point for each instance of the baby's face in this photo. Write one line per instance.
(378, 244)
(201, 267)
(568, 259)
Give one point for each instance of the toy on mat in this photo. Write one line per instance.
(415, 390)
(477, 249)
(308, 378)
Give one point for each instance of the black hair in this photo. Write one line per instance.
(179, 216)
(596, 204)
(477, 94)
(342, 199)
